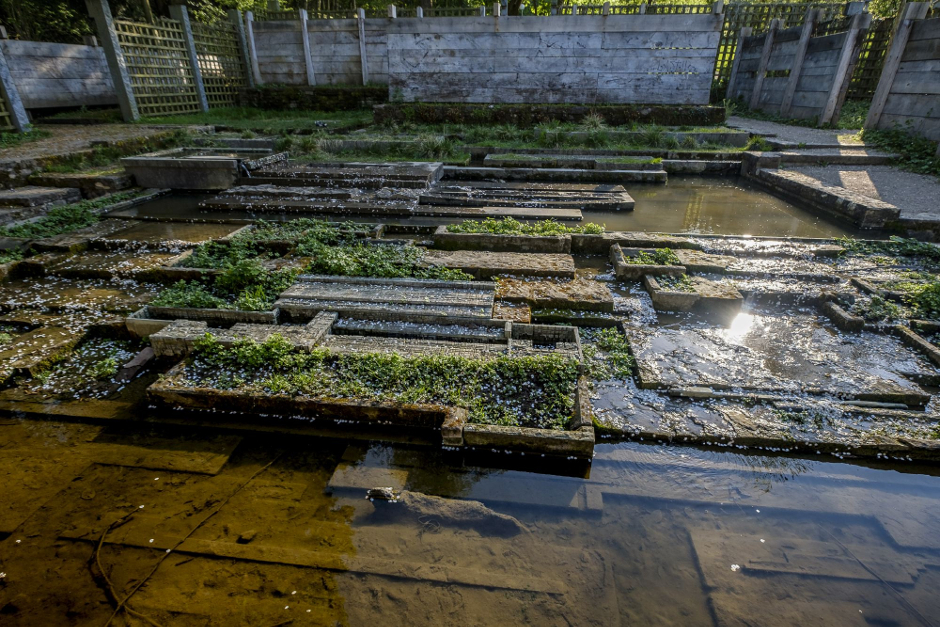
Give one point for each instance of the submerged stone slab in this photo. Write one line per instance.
(33, 352)
(787, 353)
(471, 195)
(578, 294)
(625, 175)
(80, 239)
(416, 175)
(110, 264)
(488, 264)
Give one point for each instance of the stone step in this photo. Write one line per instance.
(91, 185)
(483, 264)
(36, 196)
(583, 162)
(389, 209)
(569, 175)
(33, 352)
(838, 156)
(488, 333)
(532, 187)
(579, 294)
(552, 200)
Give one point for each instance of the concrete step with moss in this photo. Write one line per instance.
(91, 185)
(555, 199)
(33, 352)
(483, 265)
(579, 294)
(584, 162)
(36, 196)
(568, 175)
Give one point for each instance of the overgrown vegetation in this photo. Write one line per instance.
(268, 122)
(511, 226)
(852, 116)
(607, 353)
(67, 218)
(512, 391)
(6, 256)
(108, 156)
(917, 154)
(894, 246)
(877, 309)
(244, 285)
(659, 257)
(382, 261)
(87, 371)
(9, 140)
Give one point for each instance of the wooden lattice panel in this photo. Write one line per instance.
(220, 61)
(158, 66)
(871, 59)
(6, 120)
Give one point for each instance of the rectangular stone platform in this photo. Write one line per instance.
(406, 297)
(488, 264)
(36, 196)
(489, 197)
(570, 175)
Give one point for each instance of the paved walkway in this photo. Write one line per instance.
(795, 134)
(916, 195)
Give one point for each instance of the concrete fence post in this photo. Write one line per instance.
(855, 8)
(851, 47)
(799, 55)
(496, 9)
(912, 12)
(483, 11)
(305, 41)
(180, 13)
(18, 117)
(719, 7)
(419, 12)
(736, 63)
(392, 11)
(606, 9)
(642, 9)
(101, 13)
(235, 16)
(88, 40)
(764, 62)
(252, 49)
(361, 22)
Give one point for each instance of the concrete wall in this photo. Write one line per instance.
(58, 75)
(914, 97)
(650, 59)
(654, 59)
(817, 74)
(334, 50)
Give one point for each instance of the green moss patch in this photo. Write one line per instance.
(511, 226)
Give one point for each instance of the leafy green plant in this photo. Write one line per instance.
(104, 369)
(511, 226)
(877, 309)
(659, 257)
(608, 353)
(189, 294)
(916, 153)
(680, 283)
(383, 261)
(593, 122)
(895, 246)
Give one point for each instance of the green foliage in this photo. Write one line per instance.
(109, 155)
(894, 246)
(917, 154)
(614, 358)
(384, 261)
(66, 218)
(878, 309)
(593, 122)
(515, 391)
(511, 226)
(6, 256)
(5, 338)
(659, 257)
(925, 300)
(680, 283)
(759, 144)
(189, 294)
(268, 122)
(852, 116)
(104, 369)
(9, 140)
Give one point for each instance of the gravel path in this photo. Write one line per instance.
(795, 134)
(66, 139)
(916, 195)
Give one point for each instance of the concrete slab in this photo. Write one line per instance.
(488, 264)
(36, 196)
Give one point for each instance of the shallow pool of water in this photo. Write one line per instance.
(707, 205)
(716, 205)
(267, 529)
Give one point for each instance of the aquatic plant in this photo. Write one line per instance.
(614, 358)
(245, 285)
(593, 122)
(7, 256)
(896, 246)
(512, 391)
(511, 226)
(680, 283)
(659, 257)
(877, 309)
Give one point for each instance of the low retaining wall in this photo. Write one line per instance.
(309, 98)
(532, 115)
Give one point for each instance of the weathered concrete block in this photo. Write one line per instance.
(843, 319)
(664, 300)
(194, 168)
(626, 271)
(446, 240)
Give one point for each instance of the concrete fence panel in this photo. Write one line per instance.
(59, 75)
